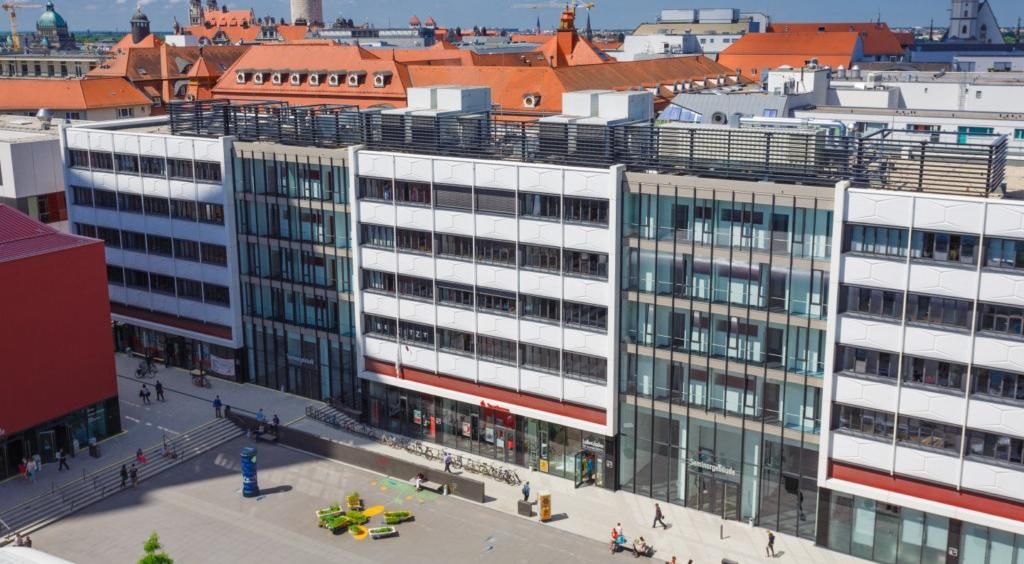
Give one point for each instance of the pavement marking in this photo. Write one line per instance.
(132, 419)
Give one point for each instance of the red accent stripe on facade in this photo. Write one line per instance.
(490, 393)
(924, 490)
(185, 323)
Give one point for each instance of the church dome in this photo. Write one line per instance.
(50, 19)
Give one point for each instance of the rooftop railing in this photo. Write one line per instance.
(888, 159)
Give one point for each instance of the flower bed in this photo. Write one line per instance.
(383, 532)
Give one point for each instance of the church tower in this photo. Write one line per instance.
(195, 12)
(963, 20)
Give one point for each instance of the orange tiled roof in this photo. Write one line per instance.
(876, 37)
(143, 64)
(530, 37)
(754, 52)
(27, 94)
(906, 38)
(582, 51)
(231, 18)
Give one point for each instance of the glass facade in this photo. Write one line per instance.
(296, 274)
(174, 350)
(724, 297)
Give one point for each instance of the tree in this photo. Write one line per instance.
(153, 554)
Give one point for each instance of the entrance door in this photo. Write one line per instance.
(505, 444)
(48, 446)
(578, 472)
(730, 501)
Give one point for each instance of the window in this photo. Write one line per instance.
(125, 112)
(866, 362)
(415, 333)
(862, 421)
(417, 193)
(376, 236)
(457, 342)
(590, 265)
(496, 350)
(939, 311)
(945, 247)
(539, 206)
(496, 252)
(152, 166)
(374, 189)
(214, 254)
(127, 163)
(415, 241)
(933, 373)
(186, 250)
(998, 384)
(996, 447)
(453, 197)
(539, 358)
(419, 288)
(455, 295)
(591, 212)
(500, 202)
(180, 169)
(536, 307)
(377, 281)
(584, 367)
(190, 289)
(207, 171)
(540, 258)
(928, 434)
(586, 316)
(216, 294)
(101, 161)
(873, 240)
(136, 279)
(133, 241)
(111, 237)
(115, 275)
(1004, 253)
(380, 326)
(105, 199)
(158, 245)
(81, 196)
(211, 213)
(1018, 134)
(130, 203)
(182, 209)
(86, 230)
(1001, 319)
(495, 301)
(153, 205)
(78, 158)
(870, 301)
(161, 284)
(453, 246)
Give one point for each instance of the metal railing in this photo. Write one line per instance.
(887, 159)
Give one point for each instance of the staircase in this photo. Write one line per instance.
(40, 511)
(329, 416)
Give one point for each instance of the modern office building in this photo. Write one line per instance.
(164, 206)
(53, 299)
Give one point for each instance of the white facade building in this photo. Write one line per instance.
(31, 177)
(164, 206)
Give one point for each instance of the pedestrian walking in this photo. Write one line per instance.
(659, 517)
(275, 422)
(216, 407)
(30, 470)
(23, 468)
(526, 491)
(159, 391)
(771, 545)
(448, 462)
(144, 394)
(38, 463)
(124, 476)
(260, 417)
(140, 457)
(62, 460)
(618, 530)
(134, 473)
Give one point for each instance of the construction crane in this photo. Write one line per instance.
(555, 5)
(9, 7)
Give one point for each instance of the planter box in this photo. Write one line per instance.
(395, 517)
(383, 532)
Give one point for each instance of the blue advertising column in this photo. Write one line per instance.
(250, 488)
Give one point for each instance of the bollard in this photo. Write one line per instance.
(721, 531)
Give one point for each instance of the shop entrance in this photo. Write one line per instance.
(586, 468)
(505, 444)
(715, 496)
(48, 446)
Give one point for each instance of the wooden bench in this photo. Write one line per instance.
(428, 485)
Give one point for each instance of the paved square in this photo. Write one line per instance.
(198, 510)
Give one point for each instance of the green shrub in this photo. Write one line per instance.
(357, 517)
(353, 499)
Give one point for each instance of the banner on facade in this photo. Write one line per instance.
(222, 366)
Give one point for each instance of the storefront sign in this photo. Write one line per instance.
(494, 407)
(416, 417)
(543, 466)
(467, 431)
(489, 435)
(593, 444)
(223, 366)
(293, 359)
(716, 468)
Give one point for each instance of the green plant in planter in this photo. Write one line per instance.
(355, 529)
(357, 517)
(339, 523)
(396, 517)
(353, 500)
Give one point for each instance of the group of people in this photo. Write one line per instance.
(129, 473)
(22, 540)
(639, 545)
(144, 393)
(31, 467)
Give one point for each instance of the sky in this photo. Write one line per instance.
(608, 14)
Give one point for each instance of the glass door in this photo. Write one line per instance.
(48, 446)
(578, 473)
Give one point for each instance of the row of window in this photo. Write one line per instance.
(945, 247)
(573, 314)
(929, 434)
(181, 249)
(485, 200)
(183, 288)
(932, 310)
(930, 372)
(503, 351)
(487, 251)
(188, 210)
(178, 169)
